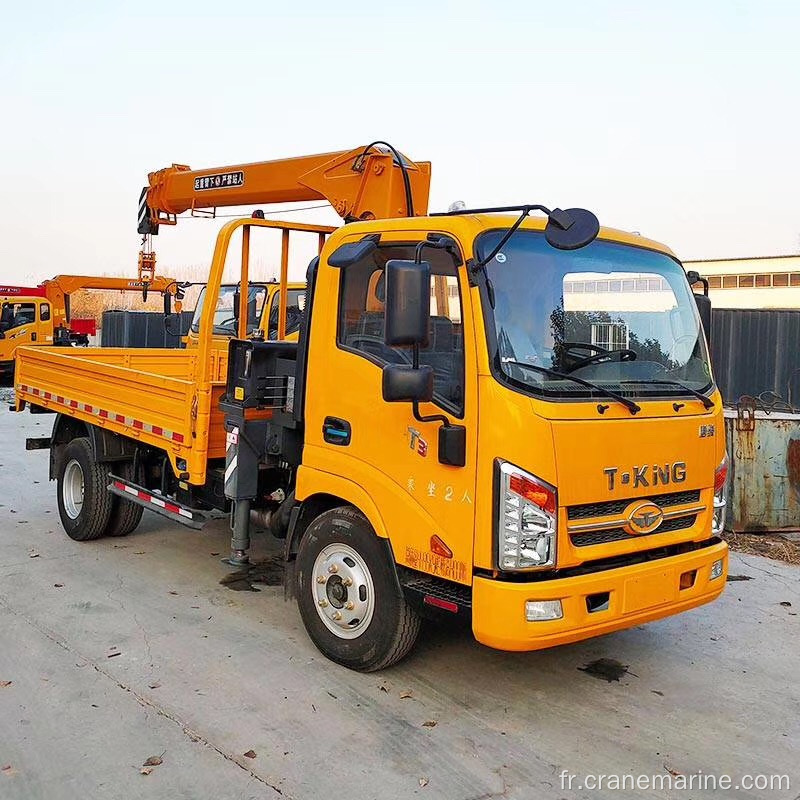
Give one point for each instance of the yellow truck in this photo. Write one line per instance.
(40, 316)
(501, 414)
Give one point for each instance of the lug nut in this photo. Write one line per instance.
(337, 615)
(350, 605)
(333, 568)
(323, 603)
(321, 579)
(347, 582)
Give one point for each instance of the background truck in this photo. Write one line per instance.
(263, 313)
(40, 315)
(487, 414)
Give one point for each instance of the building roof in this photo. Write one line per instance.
(738, 258)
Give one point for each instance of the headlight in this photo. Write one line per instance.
(720, 496)
(527, 517)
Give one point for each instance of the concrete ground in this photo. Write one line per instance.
(118, 650)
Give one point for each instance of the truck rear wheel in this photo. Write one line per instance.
(84, 503)
(125, 515)
(351, 603)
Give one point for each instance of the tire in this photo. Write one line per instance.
(84, 503)
(125, 515)
(380, 627)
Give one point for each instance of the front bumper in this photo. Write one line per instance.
(638, 593)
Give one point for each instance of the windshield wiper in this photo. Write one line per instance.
(634, 408)
(707, 402)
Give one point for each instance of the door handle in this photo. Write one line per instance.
(336, 431)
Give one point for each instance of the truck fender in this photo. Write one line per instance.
(302, 515)
(337, 491)
(106, 446)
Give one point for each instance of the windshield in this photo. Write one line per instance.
(14, 315)
(225, 320)
(618, 316)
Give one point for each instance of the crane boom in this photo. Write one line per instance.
(67, 284)
(364, 183)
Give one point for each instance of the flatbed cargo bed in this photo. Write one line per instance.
(151, 395)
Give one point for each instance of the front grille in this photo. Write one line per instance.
(609, 507)
(586, 538)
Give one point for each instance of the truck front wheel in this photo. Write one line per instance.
(348, 594)
(84, 503)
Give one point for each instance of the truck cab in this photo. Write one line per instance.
(558, 472)
(23, 321)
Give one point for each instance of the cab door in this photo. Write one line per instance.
(378, 451)
(19, 325)
(44, 323)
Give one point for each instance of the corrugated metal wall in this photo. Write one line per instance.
(756, 351)
(143, 329)
(764, 488)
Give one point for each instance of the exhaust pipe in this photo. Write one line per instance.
(260, 517)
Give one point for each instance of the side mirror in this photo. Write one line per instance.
(167, 304)
(408, 303)
(571, 229)
(405, 384)
(703, 301)
(704, 307)
(237, 297)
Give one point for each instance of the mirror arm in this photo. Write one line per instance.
(509, 233)
(695, 277)
(415, 403)
(431, 417)
(439, 243)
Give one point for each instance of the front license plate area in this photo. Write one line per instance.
(649, 591)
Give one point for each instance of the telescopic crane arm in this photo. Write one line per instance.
(369, 182)
(58, 289)
(67, 284)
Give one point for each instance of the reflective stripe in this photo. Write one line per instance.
(136, 424)
(153, 500)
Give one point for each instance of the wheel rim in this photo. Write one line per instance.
(72, 489)
(343, 591)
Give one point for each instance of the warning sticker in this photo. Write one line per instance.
(221, 180)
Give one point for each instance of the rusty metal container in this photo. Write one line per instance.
(764, 448)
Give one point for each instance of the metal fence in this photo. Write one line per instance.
(756, 351)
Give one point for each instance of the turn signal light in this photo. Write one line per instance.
(721, 475)
(534, 492)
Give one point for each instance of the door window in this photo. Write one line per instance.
(294, 312)
(44, 312)
(361, 320)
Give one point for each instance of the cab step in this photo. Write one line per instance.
(166, 506)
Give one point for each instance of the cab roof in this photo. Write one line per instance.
(468, 226)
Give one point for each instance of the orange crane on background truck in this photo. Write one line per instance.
(41, 315)
(488, 414)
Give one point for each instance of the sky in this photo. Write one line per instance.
(680, 120)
